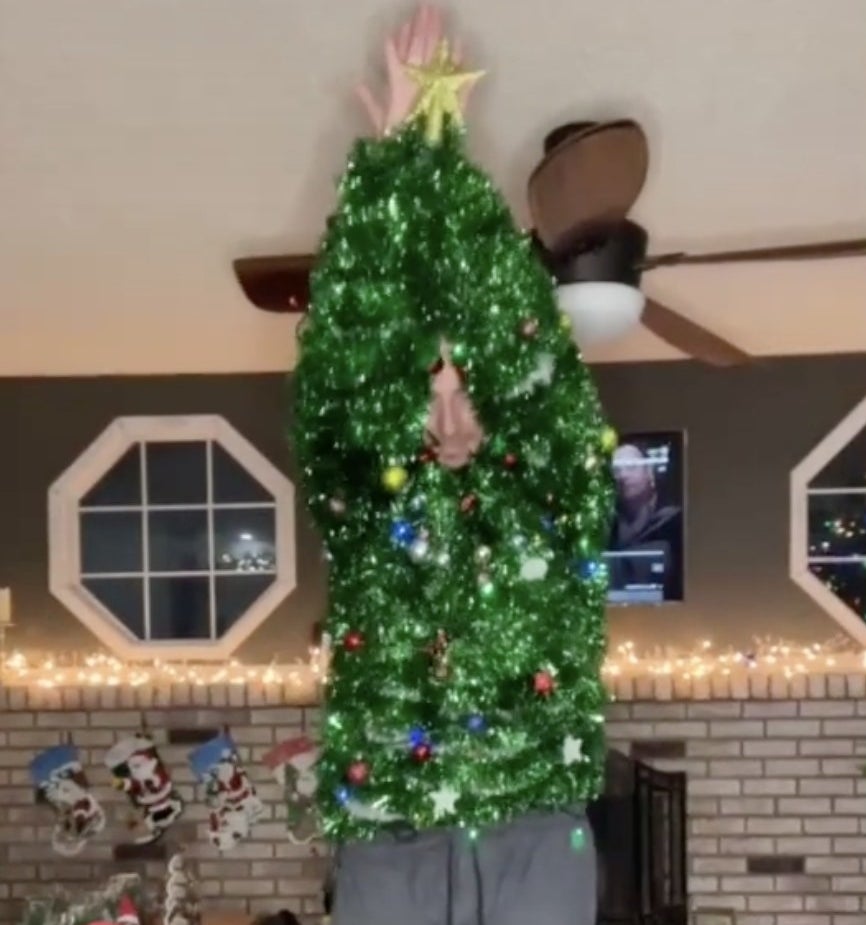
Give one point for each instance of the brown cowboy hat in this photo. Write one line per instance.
(590, 176)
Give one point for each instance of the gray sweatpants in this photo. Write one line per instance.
(539, 869)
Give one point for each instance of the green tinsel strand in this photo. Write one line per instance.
(423, 248)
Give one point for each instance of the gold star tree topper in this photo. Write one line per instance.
(439, 91)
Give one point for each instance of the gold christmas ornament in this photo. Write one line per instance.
(609, 439)
(394, 478)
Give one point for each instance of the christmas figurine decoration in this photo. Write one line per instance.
(435, 378)
(123, 900)
(61, 783)
(127, 914)
(181, 906)
(293, 763)
(234, 807)
(138, 771)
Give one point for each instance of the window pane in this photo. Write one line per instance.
(178, 541)
(124, 597)
(847, 469)
(121, 485)
(179, 608)
(244, 539)
(177, 473)
(232, 484)
(111, 542)
(847, 580)
(235, 594)
(837, 525)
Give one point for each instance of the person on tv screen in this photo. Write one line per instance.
(647, 533)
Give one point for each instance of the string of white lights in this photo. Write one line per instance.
(702, 661)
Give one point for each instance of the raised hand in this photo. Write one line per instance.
(414, 44)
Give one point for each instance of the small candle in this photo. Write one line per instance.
(5, 607)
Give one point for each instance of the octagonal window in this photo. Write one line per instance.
(172, 537)
(828, 523)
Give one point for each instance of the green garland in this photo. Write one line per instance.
(99, 906)
(434, 715)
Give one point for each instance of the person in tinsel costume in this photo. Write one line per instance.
(457, 462)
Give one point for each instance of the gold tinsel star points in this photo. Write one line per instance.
(439, 83)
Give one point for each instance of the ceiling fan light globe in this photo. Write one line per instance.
(600, 312)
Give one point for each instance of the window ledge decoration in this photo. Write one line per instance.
(828, 524)
(171, 538)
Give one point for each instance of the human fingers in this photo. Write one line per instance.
(394, 63)
(373, 109)
(403, 40)
(432, 33)
(415, 51)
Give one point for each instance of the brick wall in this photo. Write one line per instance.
(264, 873)
(776, 799)
(777, 804)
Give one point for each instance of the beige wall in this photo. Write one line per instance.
(144, 145)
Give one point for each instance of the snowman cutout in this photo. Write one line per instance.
(61, 783)
(234, 807)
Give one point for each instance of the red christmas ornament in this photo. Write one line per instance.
(358, 773)
(468, 503)
(509, 460)
(353, 641)
(422, 753)
(543, 683)
(427, 455)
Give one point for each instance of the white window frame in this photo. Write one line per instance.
(801, 478)
(64, 536)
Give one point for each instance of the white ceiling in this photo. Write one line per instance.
(145, 143)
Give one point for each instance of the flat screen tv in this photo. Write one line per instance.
(645, 557)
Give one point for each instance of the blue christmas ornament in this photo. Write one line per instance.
(402, 533)
(342, 795)
(589, 569)
(476, 723)
(417, 736)
(548, 524)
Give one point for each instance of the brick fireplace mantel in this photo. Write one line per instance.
(777, 801)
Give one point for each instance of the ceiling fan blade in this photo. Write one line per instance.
(690, 337)
(276, 284)
(820, 251)
(590, 176)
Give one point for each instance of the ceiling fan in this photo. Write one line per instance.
(579, 197)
